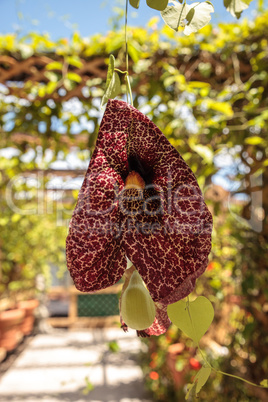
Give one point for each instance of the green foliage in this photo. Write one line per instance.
(208, 94)
(236, 7)
(193, 318)
(192, 17)
(199, 381)
(134, 3)
(89, 386)
(159, 5)
(113, 347)
(112, 88)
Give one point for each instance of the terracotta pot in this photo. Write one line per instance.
(28, 306)
(10, 333)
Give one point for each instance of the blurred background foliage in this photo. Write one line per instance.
(209, 94)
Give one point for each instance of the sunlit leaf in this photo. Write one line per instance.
(74, 61)
(198, 382)
(113, 89)
(204, 151)
(68, 84)
(74, 77)
(159, 5)
(175, 15)
(134, 3)
(264, 383)
(51, 86)
(51, 76)
(255, 140)
(190, 389)
(222, 107)
(198, 16)
(236, 7)
(193, 318)
(55, 65)
(201, 378)
(193, 17)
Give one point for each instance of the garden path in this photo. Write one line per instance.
(62, 366)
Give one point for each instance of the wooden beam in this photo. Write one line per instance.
(20, 138)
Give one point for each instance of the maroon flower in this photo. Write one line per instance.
(140, 200)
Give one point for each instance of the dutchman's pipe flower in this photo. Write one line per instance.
(140, 200)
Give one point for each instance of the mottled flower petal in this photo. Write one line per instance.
(95, 257)
(161, 322)
(165, 232)
(174, 254)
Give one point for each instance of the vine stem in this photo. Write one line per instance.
(238, 378)
(128, 86)
(209, 365)
(126, 45)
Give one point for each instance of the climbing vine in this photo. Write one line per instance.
(218, 80)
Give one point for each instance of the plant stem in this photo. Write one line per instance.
(126, 12)
(238, 378)
(128, 86)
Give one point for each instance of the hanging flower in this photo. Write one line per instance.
(140, 200)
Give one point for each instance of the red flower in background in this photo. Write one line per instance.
(140, 200)
(211, 266)
(154, 375)
(194, 364)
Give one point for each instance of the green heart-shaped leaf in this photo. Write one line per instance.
(193, 318)
(159, 5)
(236, 7)
(134, 3)
(198, 16)
(175, 15)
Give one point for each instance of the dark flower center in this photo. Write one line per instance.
(134, 164)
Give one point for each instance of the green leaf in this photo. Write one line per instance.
(198, 16)
(110, 70)
(134, 3)
(51, 76)
(74, 77)
(222, 107)
(112, 87)
(175, 15)
(74, 61)
(159, 5)
(264, 383)
(199, 381)
(201, 378)
(68, 84)
(204, 151)
(193, 318)
(55, 65)
(113, 346)
(254, 140)
(236, 7)
(190, 388)
(51, 86)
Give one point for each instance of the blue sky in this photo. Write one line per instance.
(61, 17)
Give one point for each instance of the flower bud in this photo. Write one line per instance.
(137, 306)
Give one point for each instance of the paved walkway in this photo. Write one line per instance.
(58, 366)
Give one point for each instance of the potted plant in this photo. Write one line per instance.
(10, 333)
(28, 306)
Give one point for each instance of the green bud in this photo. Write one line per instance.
(137, 306)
